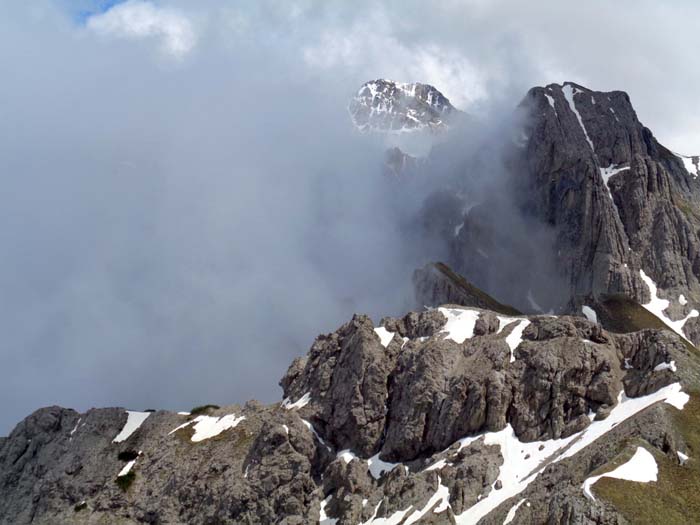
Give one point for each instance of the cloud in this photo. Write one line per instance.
(175, 236)
(138, 20)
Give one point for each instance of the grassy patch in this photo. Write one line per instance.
(127, 455)
(126, 480)
(620, 314)
(673, 499)
(203, 409)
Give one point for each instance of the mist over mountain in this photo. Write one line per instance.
(500, 251)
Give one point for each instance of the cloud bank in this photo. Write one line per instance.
(185, 205)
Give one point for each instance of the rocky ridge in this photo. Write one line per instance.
(421, 419)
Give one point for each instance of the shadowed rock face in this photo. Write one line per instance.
(614, 199)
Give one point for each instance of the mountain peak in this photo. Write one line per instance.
(387, 106)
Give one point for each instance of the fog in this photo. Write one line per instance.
(185, 204)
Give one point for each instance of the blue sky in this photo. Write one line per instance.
(84, 9)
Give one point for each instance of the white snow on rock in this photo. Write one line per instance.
(657, 306)
(323, 518)
(516, 335)
(75, 428)
(441, 496)
(569, 92)
(641, 468)
(511, 513)
(608, 172)
(183, 413)
(590, 314)
(460, 323)
(438, 465)
(395, 519)
(286, 429)
(206, 427)
(385, 336)
(126, 469)
(346, 455)
(682, 457)
(377, 467)
(299, 403)
(133, 422)
(550, 99)
(682, 300)
(691, 165)
(313, 431)
(523, 462)
(665, 366)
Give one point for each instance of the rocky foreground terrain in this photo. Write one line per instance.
(581, 407)
(451, 415)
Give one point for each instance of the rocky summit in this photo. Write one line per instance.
(575, 407)
(388, 106)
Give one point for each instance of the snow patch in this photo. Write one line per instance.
(516, 335)
(682, 300)
(682, 457)
(460, 323)
(606, 174)
(665, 366)
(126, 469)
(511, 513)
(641, 468)
(691, 165)
(206, 427)
(313, 431)
(657, 306)
(300, 403)
(377, 467)
(590, 314)
(133, 422)
(323, 518)
(441, 496)
(346, 455)
(385, 336)
(569, 92)
(75, 428)
(523, 462)
(550, 99)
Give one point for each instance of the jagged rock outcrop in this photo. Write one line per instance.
(412, 420)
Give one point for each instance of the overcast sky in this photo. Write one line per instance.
(184, 205)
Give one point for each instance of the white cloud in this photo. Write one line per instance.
(137, 19)
(374, 48)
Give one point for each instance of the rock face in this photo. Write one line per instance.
(412, 420)
(388, 106)
(607, 201)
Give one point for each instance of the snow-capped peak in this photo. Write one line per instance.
(388, 106)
